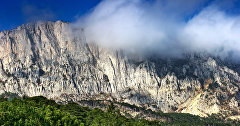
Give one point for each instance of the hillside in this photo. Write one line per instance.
(50, 59)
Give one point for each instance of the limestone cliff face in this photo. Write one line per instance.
(45, 59)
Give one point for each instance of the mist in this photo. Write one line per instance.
(164, 27)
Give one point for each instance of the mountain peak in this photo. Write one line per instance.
(43, 58)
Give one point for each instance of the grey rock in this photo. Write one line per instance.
(50, 59)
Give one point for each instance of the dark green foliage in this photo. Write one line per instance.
(3, 99)
(22, 112)
(134, 107)
(39, 111)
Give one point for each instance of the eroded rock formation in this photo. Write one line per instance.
(46, 59)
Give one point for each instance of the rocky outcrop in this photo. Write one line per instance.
(51, 60)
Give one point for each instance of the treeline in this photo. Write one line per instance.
(39, 111)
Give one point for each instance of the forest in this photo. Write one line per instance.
(40, 111)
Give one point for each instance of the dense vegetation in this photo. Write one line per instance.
(43, 112)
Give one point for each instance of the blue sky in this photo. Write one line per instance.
(16, 12)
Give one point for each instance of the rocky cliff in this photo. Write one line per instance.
(47, 59)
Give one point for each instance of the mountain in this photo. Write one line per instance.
(49, 59)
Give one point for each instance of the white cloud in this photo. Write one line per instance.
(213, 31)
(160, 26)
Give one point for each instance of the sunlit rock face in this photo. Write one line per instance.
(47, 59)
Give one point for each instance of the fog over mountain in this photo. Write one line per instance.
(165, 27)
(89, 59)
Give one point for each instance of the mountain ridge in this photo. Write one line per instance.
(55, 61)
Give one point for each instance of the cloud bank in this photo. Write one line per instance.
(164, 27)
